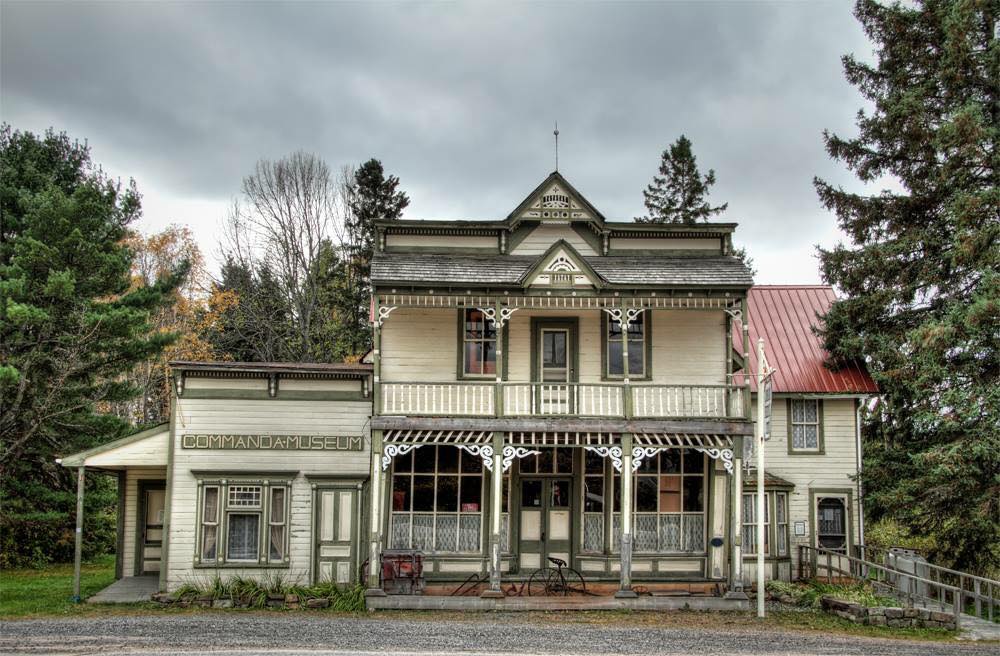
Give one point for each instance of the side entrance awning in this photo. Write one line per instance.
(147, 448)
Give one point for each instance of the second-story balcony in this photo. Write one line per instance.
(545, 399)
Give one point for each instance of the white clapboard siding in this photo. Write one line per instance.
(541, 239)
(666, 244)
(420, 345)
(130, 527)
(148, 452)
(831, 470)
(270, 416)
(519, 349)
(689, 347)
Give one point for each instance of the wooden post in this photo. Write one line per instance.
(625, 590)
(623, 323)
(498, 389)
(761, 499)
(376, 362)
(496, 512)
(78, 550)
(736, 523)
(375, 552)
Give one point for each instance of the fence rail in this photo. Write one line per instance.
(907, 587)
(982, 593)
(523, 399)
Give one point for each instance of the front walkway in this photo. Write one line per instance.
(128, 590)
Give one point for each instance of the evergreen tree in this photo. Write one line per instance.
(678, 194)
(921, 277)
(371, 197)
(71, 324)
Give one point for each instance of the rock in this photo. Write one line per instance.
(894, 613)
(317, 603)
(876, 611)
(276, 603)
(942, 617)
(911, 612)
(222, 603)
(786, 599)
(898, 623)
(276, 596)
(877, 620)
(924, 614)
(291, 599)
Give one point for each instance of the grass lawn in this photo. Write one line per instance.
(49, 591)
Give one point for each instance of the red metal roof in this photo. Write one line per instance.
(784, 315)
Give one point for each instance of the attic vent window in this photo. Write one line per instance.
(555, 201)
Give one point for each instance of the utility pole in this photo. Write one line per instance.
(764, 373)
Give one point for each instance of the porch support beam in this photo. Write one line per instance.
(78, 550)
(736, 524)
(567, 425)
(625, 590)
(496, 499)
(375, 536)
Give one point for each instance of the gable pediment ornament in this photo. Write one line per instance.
(555, 204)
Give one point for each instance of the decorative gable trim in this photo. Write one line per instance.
(562, 266)
(556, 200)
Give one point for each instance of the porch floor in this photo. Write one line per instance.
(127, 590)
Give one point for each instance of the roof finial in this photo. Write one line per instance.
(555, 133)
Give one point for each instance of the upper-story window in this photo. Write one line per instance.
(637, 348)
(805, 426)
(479, 344)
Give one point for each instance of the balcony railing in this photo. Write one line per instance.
(511, 399)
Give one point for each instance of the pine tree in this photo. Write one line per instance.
(921, 276)
(678, 194)
(72, 326)
(371, 197)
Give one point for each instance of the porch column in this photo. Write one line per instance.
(496, 512)
(497, 389)
(736, 523)
(78, 551)
(374, 553)
(625, 588)
(623, 323)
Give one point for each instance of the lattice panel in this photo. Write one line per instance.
(593, 532)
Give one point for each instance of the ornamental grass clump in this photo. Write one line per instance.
(270, 591)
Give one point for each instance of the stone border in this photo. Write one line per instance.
(919, 618)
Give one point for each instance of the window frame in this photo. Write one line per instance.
(845, 494)
(463, 339)
(772, 527)
(647, 340)
(224, 510)
(820, 448)
(501, 345)
(436, 474)
(682, 474)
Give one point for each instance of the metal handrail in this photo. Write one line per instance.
(863, 573)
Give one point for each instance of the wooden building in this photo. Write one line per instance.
(550, 385)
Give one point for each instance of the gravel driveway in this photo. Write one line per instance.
(386, 635)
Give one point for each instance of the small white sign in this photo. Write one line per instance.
(800, 528)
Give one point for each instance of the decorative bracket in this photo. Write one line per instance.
(390, 451)
(485, 452)
(640, 453)
(613, 452)
(725, 455)
(511, 452)
(383, 313)
(179, 383)
(491, 314)
(624, 316)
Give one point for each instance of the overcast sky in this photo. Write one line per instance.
(458, 100)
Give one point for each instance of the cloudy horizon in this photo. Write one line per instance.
(458, 100)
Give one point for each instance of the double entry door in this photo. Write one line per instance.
(546, 521)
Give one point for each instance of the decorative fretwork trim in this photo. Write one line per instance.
(390, 451)
(511, 452)
(485, 452)
(436, 437)
(624, 316)
(725, 455)
(383, 313)
(640, 453)
(613, 452)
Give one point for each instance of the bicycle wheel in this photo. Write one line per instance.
(538, 584)
(572, 582)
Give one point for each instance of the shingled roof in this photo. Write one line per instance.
(425, 268)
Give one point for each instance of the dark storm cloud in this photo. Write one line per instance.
(458, 100)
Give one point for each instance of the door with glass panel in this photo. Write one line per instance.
(554, 371)
(546, 521)
(337, 543)
(153, 497)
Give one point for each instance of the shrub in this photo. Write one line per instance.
(253, 593)
(810, 593)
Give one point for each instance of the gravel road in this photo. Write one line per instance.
(385, 635)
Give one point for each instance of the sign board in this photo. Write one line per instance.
(274, 442)
(800, 529)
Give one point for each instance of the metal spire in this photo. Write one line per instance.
(556, 134)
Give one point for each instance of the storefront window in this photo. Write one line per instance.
(253, 517)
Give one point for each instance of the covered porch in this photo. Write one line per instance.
(139, 464)
(636, 508)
